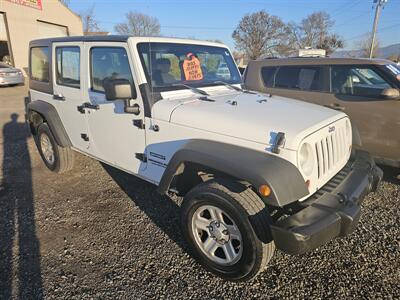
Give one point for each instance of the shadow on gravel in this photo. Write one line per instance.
(163, 212)
(17, 217)
(391, 174)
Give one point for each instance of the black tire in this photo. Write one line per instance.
(63, 156)
(249, 213)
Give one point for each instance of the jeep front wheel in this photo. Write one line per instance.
(225, 222)
(57, 159)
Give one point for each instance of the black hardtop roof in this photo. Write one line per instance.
(83, 38)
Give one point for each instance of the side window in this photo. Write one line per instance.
(68, 66)
(300, 78)
(268, 76)
(358, 81)
(310, 79)
(287, 78)
(108, 62)
(40, 64)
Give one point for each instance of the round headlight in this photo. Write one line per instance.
(306, 159)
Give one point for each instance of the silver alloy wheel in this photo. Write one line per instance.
(47, 148)
(217, 235)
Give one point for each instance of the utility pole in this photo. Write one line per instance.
(379, 5)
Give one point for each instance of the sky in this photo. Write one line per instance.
(216, 19)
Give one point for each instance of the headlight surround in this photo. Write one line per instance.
(348, 129)
(349, 134)
(306, 159)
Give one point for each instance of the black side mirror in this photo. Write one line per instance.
(118, 89)
(390, 93)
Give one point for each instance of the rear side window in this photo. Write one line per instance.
(268, 76)
(108, 63)
(287, 78)
(68, 66)
(300, 78)
(40, 64)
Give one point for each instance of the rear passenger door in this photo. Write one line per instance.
(68, 91)
(306, 83)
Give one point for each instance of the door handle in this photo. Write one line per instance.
(335, 106)
(91, 106)
(58, 97)
(81, 108)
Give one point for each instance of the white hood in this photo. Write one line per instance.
(253, 117)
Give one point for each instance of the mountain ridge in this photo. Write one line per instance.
(383, 52)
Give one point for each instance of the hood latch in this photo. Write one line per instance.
(278, 142)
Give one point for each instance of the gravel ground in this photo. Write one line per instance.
(99, 233)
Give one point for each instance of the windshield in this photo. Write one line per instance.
(395, 70)
(168, 65)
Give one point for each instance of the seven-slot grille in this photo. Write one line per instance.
(331, 150)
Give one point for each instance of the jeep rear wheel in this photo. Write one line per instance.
(225, 222)
(57, 159)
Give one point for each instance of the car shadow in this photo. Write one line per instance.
(161, 209)
(20, 269)
(391, 174)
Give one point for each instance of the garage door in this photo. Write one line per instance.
(47, 30)
(3, 32)
(4, 49)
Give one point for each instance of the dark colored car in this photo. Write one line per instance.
(368, 90)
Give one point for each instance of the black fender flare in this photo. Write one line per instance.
(255, 167)
(52, 118)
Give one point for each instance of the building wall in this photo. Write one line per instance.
(23, 25)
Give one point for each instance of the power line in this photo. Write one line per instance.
(344, 9)
(180, 26)
(355, 18)
(366, 33)
(233, 28)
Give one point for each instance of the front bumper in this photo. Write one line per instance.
(332, 212)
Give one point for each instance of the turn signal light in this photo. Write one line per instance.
(264, 190)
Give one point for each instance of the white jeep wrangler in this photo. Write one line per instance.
(256, 171)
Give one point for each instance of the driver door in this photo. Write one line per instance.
(112, 132)
(356, 90)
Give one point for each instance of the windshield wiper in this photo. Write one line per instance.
(193, 89)
(234, 87)
(231, 86)
(204, 94)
